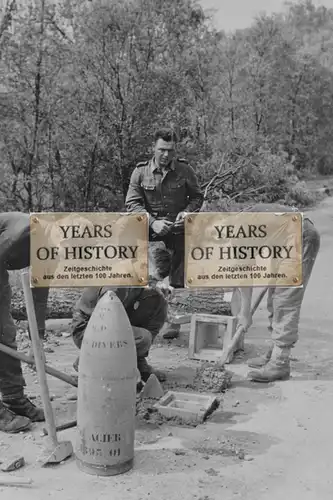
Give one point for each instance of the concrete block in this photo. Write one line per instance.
(187, 406)
(210, 334)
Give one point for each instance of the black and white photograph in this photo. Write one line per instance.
(166, 215)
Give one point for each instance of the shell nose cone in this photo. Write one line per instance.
(109, 318)
(108, 345)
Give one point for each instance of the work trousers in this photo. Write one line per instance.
(11, 378)
(143, 340)
(284, 304)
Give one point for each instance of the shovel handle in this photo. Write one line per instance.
(14, 480)
(62, 427)
(39, 358)
(49, 369)
(241, 330)
(258, 300)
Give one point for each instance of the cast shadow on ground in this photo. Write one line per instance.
(227, 417)
(321, 370)
(301, 368)
(250, 351)
(244, 383)
(206, 456)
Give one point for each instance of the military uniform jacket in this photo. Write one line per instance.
(164, 195)
(14, 240)
(146, 308)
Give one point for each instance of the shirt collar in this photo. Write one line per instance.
(154, 167)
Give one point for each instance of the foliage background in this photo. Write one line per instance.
(83, 85)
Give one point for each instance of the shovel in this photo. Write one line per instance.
(57, 451)
(240, 330)
(49, 369)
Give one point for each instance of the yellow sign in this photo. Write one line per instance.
(243, 249)
(88, 249)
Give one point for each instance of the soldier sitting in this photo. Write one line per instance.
(146, 309)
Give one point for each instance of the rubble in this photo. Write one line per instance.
(213, 378)
(146, 411)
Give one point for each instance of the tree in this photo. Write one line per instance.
(85, 83)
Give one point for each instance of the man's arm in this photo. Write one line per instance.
(12, 237)
(158, 317)
(127, 295)
(194, 191)
(83, 309)
(135, 200)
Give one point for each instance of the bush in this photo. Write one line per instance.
(325, 166)
(300, 196)
(265, 177)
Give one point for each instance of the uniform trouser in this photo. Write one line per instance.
(175, 243)
(142, 337)
(11, 377)
(284, 304)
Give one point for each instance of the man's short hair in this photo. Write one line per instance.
(166, 134)
(161, 259)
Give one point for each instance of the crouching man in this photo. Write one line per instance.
(146, 308)
(284, 307)
(16, 410)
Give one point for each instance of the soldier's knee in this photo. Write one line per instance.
(77, 336)
(143, 339)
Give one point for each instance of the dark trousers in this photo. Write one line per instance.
(11, 378)
(175, 243)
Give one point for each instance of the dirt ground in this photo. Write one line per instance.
(264, 441)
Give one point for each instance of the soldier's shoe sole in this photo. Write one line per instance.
(37, 414)
(37, 418)
(170, 336)
(267, 380)
(19, 429)
(255, 365)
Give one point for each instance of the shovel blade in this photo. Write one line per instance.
(62, 451)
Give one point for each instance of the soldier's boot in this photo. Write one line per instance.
(277, 368)
(261, 360)
(172, 331)
(146, 370)
(12, 423)
(24, 407)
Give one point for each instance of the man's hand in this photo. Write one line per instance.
(161, 287)
(180, 217)
(178, 226)
(161, 227)
(164, 289)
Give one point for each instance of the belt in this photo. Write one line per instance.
(163, 214)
